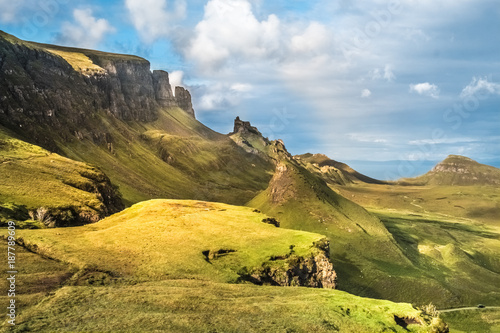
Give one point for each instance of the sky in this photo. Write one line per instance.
(389, 86)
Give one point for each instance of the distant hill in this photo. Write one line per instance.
(457, 170)
(333, 172)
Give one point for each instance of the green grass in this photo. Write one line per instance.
(174, 157)
(31, 178)
(144, 269)
(162, 239)
(364, 253)
(473, 321)
(192, 306)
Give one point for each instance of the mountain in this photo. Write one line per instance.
(111, 111)
(458, 170)
(333, 172)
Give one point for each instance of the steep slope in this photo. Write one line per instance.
(110, 110)
(457, 170)
(333, 172)
(52, 189)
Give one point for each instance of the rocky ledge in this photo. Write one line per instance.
(315, 270)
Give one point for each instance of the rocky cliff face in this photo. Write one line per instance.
(46, 87)
(315, 271)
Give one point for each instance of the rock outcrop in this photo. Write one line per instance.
(244, 127)
(315, 271)
(183, 100)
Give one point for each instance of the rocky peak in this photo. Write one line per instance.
(183, 99)
(244, 127)
(163, 89)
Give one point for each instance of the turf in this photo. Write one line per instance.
(161, 239)
(191, 306)
(33, 178)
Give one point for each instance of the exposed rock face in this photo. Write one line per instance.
(315, 271)
(244, 127)
(183, 99)
(41, 88)
(163, 89)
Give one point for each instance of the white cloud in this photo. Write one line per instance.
(86, 31)
(228, 30)
(386, 74)
(425, 89)
(366, 93)
(154, 18)
(176, 79)
(241, 87)
(480, 87)
(315, 39)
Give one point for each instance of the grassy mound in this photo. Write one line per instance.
(37, 184)
(162, 239)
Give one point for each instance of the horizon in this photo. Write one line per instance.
(361, 82)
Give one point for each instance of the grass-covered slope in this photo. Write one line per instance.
(146, 269)
(450, 233)
(103, 109)
(191, 306)
(173, 157)
(367, 259)
(34, 181)
(161, 239)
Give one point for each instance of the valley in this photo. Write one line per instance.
(126, 206)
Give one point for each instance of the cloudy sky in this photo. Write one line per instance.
(402, 83)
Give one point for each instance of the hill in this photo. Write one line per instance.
(163, 265)
(36, 184)
(333, 172)
(458, 170)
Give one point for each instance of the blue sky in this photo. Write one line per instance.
(400, 82)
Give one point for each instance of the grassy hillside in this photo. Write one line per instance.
(190, 306)
(173, 157)
(367, 259)
(161, 239)
(145, 269)
(33, 180)
(450, 233)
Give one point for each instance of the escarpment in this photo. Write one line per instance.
(68, 91)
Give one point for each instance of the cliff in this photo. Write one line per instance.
(66, 89)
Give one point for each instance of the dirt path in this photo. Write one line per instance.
(470, 308)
